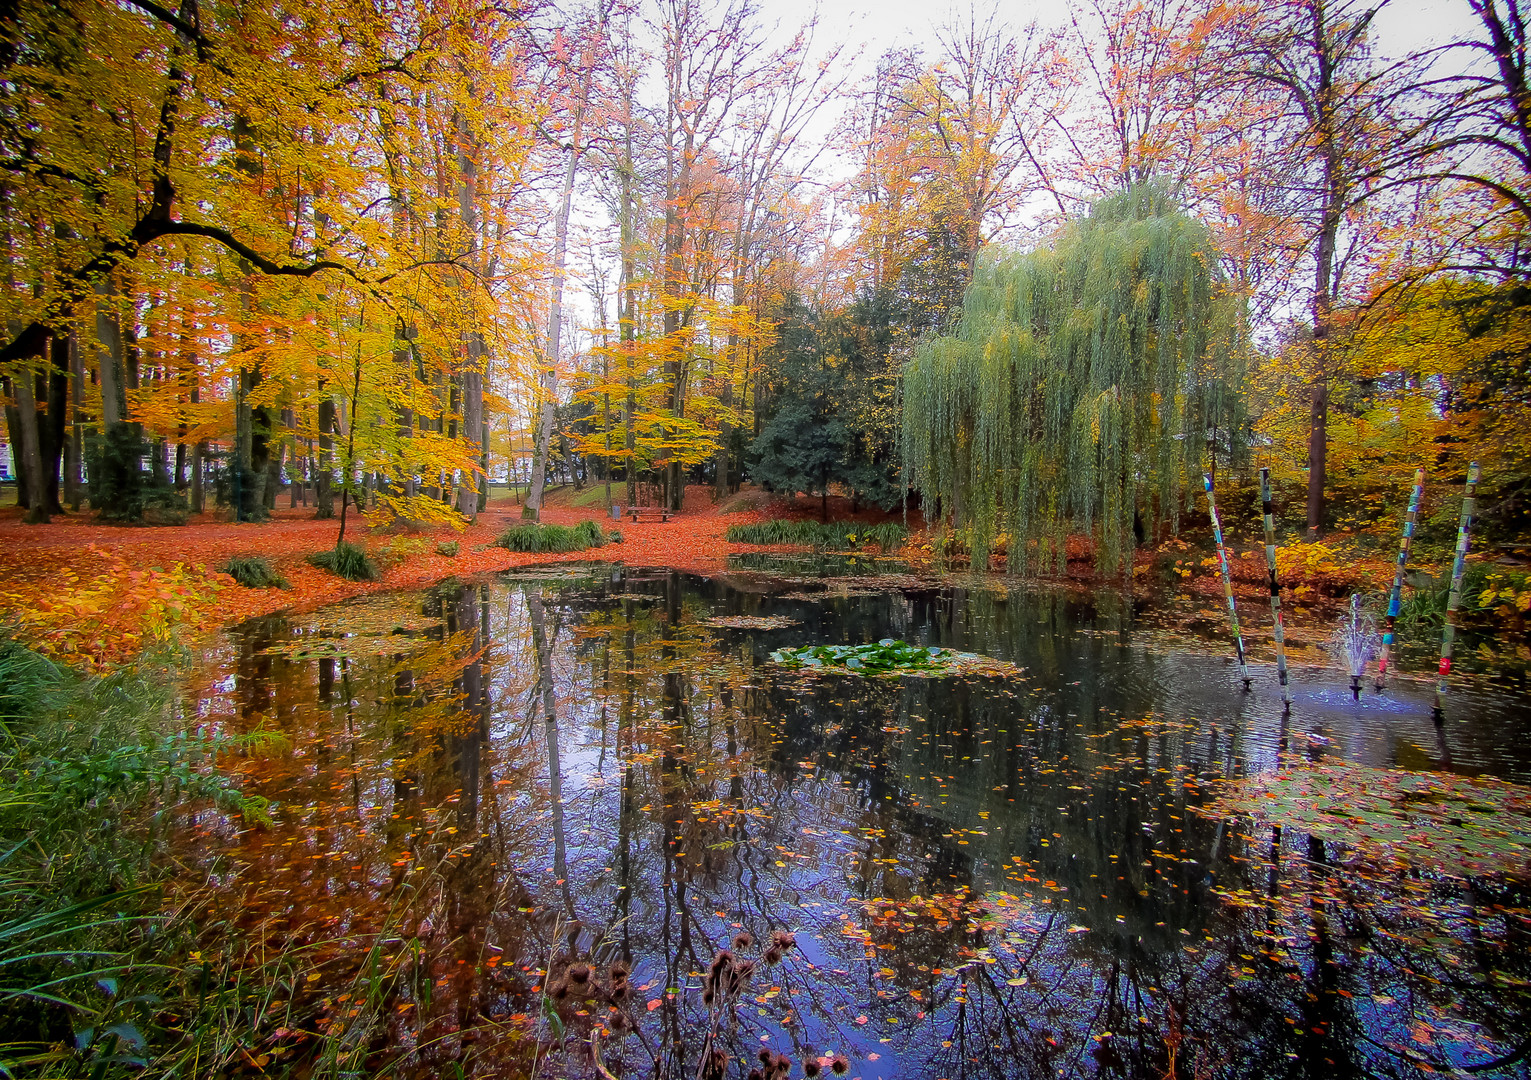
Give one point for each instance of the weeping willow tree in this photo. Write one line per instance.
(1083, 386)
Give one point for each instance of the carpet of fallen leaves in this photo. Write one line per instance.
(94, 594)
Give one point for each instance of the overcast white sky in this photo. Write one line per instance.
(1404, 25)
(870, 27)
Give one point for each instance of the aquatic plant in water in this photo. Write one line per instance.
(890, 657)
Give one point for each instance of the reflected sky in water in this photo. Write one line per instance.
(494, 785)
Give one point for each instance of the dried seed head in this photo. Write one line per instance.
(621, 993)
(579, 974)
(559, 990)
(783, 939)
(743, 941)
(718, 1060)
(708, 997)
(839, 1066)
(773, 955)
(765, 1056)
(616, 1019)
(756, 1074)
(743, 969)
(619, 973)
(811, 1067)
(721, 961)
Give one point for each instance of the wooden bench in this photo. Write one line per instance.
(638, 514)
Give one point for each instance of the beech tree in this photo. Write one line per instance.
(156, 155)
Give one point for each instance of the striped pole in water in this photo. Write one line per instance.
(1395, 598)
(1222, 556)
(1454, 598)
(1278, 629)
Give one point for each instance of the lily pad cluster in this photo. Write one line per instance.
(890, 657)
(1455, 825)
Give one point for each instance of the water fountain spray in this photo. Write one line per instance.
(1355, 642)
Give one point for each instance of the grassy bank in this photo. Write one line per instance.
(92, 946)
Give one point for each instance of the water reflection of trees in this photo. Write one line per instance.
(551, 775)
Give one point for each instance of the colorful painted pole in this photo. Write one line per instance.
(1454, 598)
(1395, 598)
(1279, 630)
(1222, 557)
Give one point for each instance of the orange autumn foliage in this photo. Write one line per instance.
(104, 610)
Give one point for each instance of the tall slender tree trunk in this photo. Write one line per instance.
(252, 425)
(198, 455)
(627, 293)
(674, 290)
(54, 434)
(30, 463)
(109, 355)
(324, 496)
(544, 445)
(73, 465)
(477, 349)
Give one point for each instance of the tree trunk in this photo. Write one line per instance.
(273, 463)
(252, 427)
(544, 444)
(726, 400)
(198, 501)
(13, 435)
(160, 461)
(109, 355)
(54, 435)
(74, 474)
(324, 496)
(30, 463)
(1318, 453)
(627, 290)
(477, 348)
(198, 454)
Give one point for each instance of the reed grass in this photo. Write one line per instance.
(347, 561)
(551, 539)
(825, 536)
(253, 572)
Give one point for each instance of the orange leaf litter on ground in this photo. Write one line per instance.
(45, 568)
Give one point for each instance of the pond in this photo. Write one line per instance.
(514, 814)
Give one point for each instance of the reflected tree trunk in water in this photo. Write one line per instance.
(544, 690)
(628, 814)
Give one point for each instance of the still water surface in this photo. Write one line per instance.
(482, 785)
